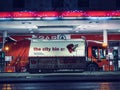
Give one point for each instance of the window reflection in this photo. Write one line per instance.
(105, 86)
(98, 52)
(8, 87)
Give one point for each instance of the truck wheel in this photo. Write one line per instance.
(92, 67)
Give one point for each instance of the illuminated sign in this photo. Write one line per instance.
(46, 48)
(52, 37)
(32, 14)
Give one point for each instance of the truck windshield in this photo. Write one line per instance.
(98, 52)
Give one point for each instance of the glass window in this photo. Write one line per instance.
(95, 52)
(98, 52)
(102, 53)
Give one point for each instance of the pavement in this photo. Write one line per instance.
(60, 77)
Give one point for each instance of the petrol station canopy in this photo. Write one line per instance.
(31, 22)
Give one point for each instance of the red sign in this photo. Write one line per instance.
(53, 37)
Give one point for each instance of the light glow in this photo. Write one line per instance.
(62, 14)
(104, 44)
(6, 48)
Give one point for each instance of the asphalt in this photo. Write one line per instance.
(60, 77)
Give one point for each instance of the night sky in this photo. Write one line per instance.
(58, 5)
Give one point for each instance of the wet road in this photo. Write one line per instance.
(60, 81)
(61, 86)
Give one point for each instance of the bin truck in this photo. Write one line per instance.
(66, 55)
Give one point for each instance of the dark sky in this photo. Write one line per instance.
(58, 5)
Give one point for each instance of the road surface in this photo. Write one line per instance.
(62, 86)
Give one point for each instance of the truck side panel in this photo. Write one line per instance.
(57, 63)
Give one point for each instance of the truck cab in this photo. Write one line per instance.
(97, 55)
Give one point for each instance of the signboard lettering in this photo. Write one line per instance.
(57, 48)
(52, 37)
